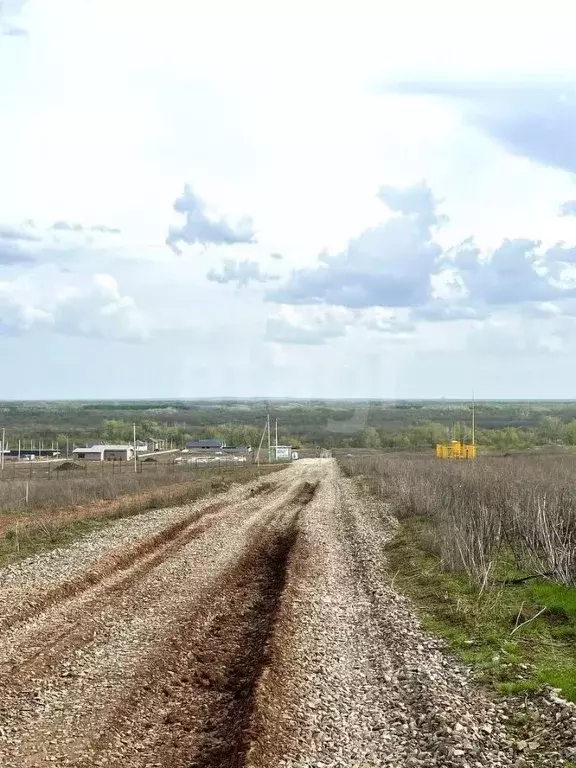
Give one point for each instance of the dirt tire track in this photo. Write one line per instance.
(161, 544)
(33, 669)
(196, 705)
(137, 560)
(27, 585)
(110, 580)
(132, 567)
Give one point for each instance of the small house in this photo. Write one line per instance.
(104, 453)
(155, 445)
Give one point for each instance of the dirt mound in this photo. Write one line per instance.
(68, 465)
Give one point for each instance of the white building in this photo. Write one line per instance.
(157, 445)
(280, 453)
(104, 453)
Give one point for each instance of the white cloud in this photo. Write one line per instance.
(507, 334)
(388, 322)
(67, 226)
(206, 229)
(9, 18)
(100, 309)
(532, 118)
(568, 208)
(43, 299)
(240, 272)
(301, 144)
(389, 265)
(307, 325)
(399, 265)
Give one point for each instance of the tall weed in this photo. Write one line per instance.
(520, 508)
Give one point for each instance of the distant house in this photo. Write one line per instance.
(208, 444)
(157, 445)
(24, 453)
(104, 453)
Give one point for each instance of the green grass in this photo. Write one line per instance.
(486, 628)
(16, 546)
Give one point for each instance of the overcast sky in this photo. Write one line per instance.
(327, 199)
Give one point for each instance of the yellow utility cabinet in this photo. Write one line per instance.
(456, 450)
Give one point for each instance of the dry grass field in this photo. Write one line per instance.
(488, 550)
(52, 510)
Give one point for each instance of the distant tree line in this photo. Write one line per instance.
(500, 426)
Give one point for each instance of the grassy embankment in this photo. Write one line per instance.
(61, 512)
(487, 550)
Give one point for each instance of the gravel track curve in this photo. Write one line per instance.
(257, 628)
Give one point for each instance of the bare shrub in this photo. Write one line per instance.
(523, 507)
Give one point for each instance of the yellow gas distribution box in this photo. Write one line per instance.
(456, 450)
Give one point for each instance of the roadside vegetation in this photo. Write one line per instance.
(61, 512)
(69, 484)
(488, 551)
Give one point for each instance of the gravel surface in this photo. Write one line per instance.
(61, 670)
(366, 686)
(62, 564)
(256, 628)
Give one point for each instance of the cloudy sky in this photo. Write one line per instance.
(308, 199)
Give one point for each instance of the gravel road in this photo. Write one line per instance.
(256, 628)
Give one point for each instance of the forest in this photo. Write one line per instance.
(396, 425)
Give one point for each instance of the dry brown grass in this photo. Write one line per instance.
(518, 512)
(60, 511)
(78, 486)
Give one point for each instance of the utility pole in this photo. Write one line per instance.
(66, 446)
(3, 447)
(268, 425)
(135, 454)
(260, 445)
(19, 449)
(473, 419)
(276, 438)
